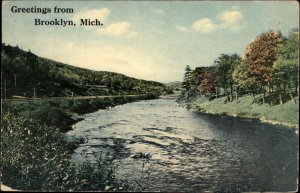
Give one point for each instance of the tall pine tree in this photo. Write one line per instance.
(186, 84)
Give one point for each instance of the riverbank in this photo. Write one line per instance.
(37, 130)
(64, 113)
(286, 114)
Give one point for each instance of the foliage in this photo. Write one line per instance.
(242, 78)
(270, 61)
(34, 155)
(208, 83)
(225, 66)
(260, 56)
(186, 84)
(286, 71)
(37, 157)
(50, 113)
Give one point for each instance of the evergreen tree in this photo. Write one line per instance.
(186, 84)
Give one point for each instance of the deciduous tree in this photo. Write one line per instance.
(225, 65)
(260, 55)
(286, 66)
(208, 83)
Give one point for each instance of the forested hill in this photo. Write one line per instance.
(26, 74)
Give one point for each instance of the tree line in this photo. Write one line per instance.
(268, 71)
(22, 71)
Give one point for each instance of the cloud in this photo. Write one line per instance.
(118, 29)
(231, 20)
(225, 20)
(100, 14)
(114, 29)
(158, 11)
(230, 16)
(204, 25)
(182, 28)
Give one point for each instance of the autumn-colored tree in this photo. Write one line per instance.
(208, 83)
(260, 55)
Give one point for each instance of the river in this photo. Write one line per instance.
(190, 151)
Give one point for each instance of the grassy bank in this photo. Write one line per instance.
(64, 113)
(285, 114)
(36, 155)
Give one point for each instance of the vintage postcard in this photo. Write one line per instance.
(159, 96)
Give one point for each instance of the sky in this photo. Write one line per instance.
(151, 40)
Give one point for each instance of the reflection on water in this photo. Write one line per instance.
(190, 151)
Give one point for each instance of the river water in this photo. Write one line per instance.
(190, 151)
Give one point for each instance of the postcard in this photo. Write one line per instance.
(159, 96)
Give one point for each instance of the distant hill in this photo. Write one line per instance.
(25, 73)
(174, 85)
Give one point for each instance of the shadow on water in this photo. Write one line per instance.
(266, 154)
(191, 151)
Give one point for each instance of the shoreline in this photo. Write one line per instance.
(245, 109)
(273, 122)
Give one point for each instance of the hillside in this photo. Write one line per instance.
(174, 85)
(26, 74)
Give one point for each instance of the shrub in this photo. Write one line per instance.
(37, 157)
(33, 155)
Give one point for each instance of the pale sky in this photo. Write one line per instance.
(152, 40)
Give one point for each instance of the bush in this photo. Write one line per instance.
(37, 157)
(34, 155)
(54, 114)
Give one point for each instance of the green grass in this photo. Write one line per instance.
(286, 113)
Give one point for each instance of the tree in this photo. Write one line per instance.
(243, 79)
(208, 83)
(286, 66)
(260, 55)
(225, 65)
(199, 74)
(186, 84)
